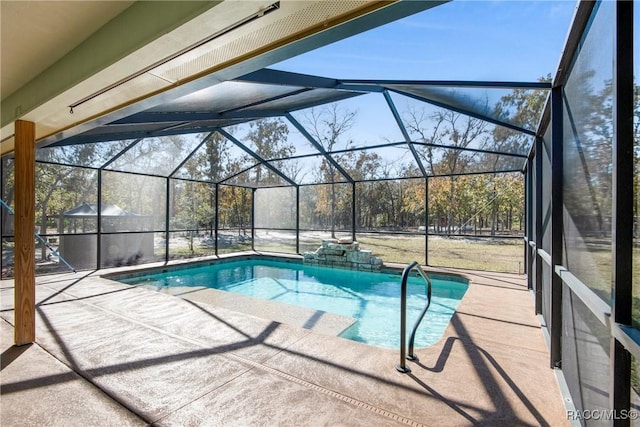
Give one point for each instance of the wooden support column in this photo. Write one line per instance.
(24, 252)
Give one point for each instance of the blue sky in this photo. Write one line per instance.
(471, 40)
(460, 40)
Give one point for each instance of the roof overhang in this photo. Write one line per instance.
(133, 64)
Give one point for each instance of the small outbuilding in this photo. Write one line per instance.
(79, 240)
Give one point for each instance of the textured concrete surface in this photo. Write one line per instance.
(39, 390)
(110, 354)
(302, 317)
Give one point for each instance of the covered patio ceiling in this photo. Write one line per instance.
(70, 66)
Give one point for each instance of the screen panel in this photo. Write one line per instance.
(391, 205)
(217, 159)
(394, 247)
(191, 205)
(132, 202)
(157, 156)
(357, 122)
(587, 156)
(273, 240)
(234, 206)
(275, 208)
(585, 355)
(120, 249)
(91, 155)
(326, 207)
(191, 243)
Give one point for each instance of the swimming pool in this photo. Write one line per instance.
(372, 299)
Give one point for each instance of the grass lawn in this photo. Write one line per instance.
(593, 266)
(505, 255)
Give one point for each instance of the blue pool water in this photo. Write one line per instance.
(371, 298)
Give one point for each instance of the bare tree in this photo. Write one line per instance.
(328, 125)
(451, 129)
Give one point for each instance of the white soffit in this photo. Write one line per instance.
(35, 34)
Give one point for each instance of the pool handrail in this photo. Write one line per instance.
(402, 366)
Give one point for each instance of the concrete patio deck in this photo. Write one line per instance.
(108, 354)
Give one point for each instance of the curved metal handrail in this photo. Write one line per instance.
(402, 366)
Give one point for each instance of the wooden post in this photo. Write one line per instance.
(24, 251)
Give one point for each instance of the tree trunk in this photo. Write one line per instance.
(494, 210)
(333, 210)
(449, 213)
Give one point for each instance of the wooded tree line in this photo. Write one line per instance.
(399, 205)
(491, 202)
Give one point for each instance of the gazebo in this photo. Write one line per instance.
(116, 249)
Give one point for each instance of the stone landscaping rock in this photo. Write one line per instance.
(359, 257)
(343, 253)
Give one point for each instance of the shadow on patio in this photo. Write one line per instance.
(132, 356)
